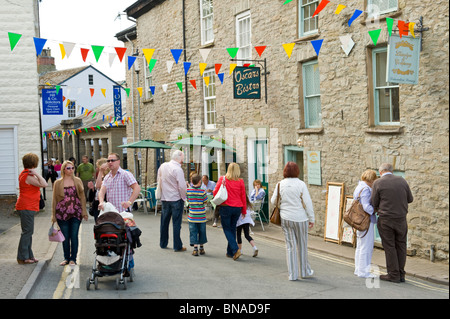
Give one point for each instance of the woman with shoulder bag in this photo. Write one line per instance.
(297, 215)
(365, 239)
(233, 207)
(68, 209)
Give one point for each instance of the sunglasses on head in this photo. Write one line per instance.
(69, 168)
(111, 160)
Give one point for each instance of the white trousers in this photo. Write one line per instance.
(363, 252)
(296, 235)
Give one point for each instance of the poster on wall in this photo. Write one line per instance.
(403, 59)
(333, 213)
(314, 171)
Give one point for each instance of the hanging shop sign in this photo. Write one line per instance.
(314, 170)
(247, 82)
(52, 102)
(403, 59)
(117, 102)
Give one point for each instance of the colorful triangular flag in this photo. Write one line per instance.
(317, 44)
(63, 51)
(260, 49)
(68, 47)
(220, 75)
(180, 86)
(206, 79)
(13, 39)
(193, 84)
(355, 15)
(339, 8)
(151, 65)
(217, 67)
(390, 24)
(169, 65)
(148, 53)
(152, 89)
(374, 35)
(120, 52)
(176, 53)
(186, 66)
(131, 60)
(232, 52)
(232, 67)
(320, 7)
(84, 53)
(202, 67)
(104, 92)
(204, 53)
(288, 47)
(411, 28)
(97, 49)
(39, 44)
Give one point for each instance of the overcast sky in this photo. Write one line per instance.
(86, 23)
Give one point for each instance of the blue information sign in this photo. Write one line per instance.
(117, 102)
(52, 103)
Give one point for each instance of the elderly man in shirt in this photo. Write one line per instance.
(173, 195)
(208, 185)
(120, 186)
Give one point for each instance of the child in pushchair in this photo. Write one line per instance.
(114, 243)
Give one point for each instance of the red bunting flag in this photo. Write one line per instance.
(92, 94)
(217, 67)
(194, 84)
(403, 28)
(84, 53)
(320, 7)
(260, 49)
(120, 52)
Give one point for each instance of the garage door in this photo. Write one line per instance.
(8, 161)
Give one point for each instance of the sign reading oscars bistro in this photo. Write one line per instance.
(247, 82)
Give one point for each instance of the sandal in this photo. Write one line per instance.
(72, 263)
(25, 262)
(63, 263)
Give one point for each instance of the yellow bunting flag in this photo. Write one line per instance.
(206, 79)
(104, 92)
(148, 53)
(140, 91)
(411, 28)
(288, 47)
(232, 67)
(339, 9)
(202, 67)
(63, 51)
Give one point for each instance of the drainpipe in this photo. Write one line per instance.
(185, 76)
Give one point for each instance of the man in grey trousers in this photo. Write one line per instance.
(390, 198)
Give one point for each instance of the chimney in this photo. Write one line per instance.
(45, 62)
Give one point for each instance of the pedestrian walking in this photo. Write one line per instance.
(196, 197)
(101, 170)
(233, 207)
(297, 215)
(30, 183)
(68, 209)
(86, 172)
(390, 198)
(172, 186)
(365, 239)
(119, 186)
(51, 173)
(243, 224)
(57, 168)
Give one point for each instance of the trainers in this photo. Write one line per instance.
(255, 252)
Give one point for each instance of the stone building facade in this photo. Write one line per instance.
(330, 104)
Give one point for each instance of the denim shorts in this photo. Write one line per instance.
(197, 233)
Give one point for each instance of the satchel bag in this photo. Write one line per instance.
(356, 217)
(55, 234)
(275, 217)
(222, 194)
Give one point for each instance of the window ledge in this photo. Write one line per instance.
(304, 131)
(307, 38)
(207, 45)
(383, 17)
(385, 130)
(147, 100)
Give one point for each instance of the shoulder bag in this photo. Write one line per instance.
(222, 194)
(275, 217)
(356, 217)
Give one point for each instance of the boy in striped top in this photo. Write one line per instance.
(196, 197)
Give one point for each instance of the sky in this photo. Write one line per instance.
(85, 23)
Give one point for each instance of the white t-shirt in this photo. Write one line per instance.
(291, 207)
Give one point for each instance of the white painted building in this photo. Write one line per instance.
(76, 85)
(19, 98)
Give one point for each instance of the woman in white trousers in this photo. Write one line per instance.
(365, 239)
(297, 216)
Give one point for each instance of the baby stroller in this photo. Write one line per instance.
(112, 249)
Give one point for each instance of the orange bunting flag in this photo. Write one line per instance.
(217, 67)
(260, 49)
(402, 28)
(92, 92)
(120, 52)
(84, 53)
(193, 84)
(320, 7)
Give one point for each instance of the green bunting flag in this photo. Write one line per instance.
(97, 49)
(232, 52)
(374, 35)
(389, 23)
(180, 86)
(13, 39)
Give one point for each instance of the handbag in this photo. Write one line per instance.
(275, 217)
(222, 194)
(41, 203)
(55, 234)
(356, 217)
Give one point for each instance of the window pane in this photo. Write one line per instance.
(384, 105)
(381, 60)
(395, 105)
(313, 105)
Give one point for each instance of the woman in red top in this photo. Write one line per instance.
(233, 207)
(27, 205)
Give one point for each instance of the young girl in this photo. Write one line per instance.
(244, 223)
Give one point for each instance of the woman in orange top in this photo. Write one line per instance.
(27, 205)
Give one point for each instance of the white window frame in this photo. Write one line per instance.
(239, 18)
(307, 97)
(301, 18)
(204, 22)
(373, 7)
(148, 80)
(72, 109)
(389, 86)
(209, 98)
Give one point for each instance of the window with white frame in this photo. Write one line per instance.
(244, 37)
(378, 7)
(311, 94)
(209, 96)
(386, 95)
(71, 109)
(207, 19)
(307, 24)
(148, 82)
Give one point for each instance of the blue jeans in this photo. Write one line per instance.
(197, 233)
(70, 229)
(229, 216)
(171, 210)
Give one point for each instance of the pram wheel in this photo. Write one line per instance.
(89, 281)
(122, 281)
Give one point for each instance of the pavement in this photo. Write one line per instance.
(17, 281)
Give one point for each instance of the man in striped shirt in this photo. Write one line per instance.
(196, 197)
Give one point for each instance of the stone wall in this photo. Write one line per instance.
(348, 142)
